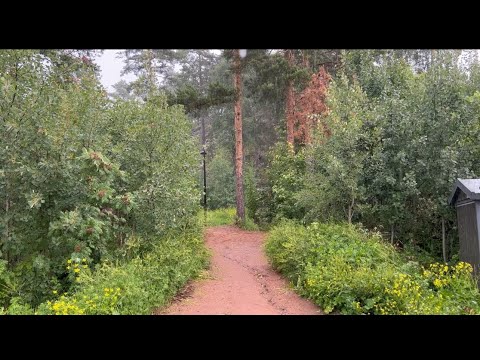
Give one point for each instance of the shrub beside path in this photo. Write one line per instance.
(240, 281)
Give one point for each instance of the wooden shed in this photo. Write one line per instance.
(465, 197)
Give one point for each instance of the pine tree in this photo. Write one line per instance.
(237, 80)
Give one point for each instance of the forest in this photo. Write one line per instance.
(345, 159)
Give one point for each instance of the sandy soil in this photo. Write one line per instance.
(240, 281)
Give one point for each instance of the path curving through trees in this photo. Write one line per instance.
(240, 281)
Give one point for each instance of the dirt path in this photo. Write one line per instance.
(239, 281)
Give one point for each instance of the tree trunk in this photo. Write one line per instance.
(305, 62)
(201, 114)
(204, 133)
(290, 103)
(444, 241)
(308, 122)
(350, 210)
(149, 67)
(237, 79)
(7, 229)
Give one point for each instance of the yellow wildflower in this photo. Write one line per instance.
(77, 270)
(69, 261)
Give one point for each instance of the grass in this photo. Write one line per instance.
(226, 216)
(347, 269)
(136, 287)
(219, 217)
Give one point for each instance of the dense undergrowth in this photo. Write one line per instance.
(344, 268)
(97, 197)
(226, 216)
(137, 286)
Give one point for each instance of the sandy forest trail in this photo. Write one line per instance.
(240, 281)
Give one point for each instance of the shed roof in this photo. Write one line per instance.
(471, 188)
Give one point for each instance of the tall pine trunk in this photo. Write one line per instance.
(290, 103)
(203, 130)
(237, 80)
(444, 241)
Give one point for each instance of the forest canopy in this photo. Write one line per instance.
(371, 137)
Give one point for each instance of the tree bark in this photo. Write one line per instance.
(204, 133)
(290, 103)
(200, 112)
(7, 229)
(350, 210)
(151, 77)
(237, 79)
(444, 241)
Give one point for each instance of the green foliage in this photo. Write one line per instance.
(18, 307)
(220, 182)
(219, 217)
(346, 269)
(285, 181)
(226, 216)
(249, 224)
(82, 176)
(252, 196)
(97, 224)
(36, 276)
(7, 284)
(138, 286)
(332, 182)
(398, 132)
(416, 152)
(155, 148)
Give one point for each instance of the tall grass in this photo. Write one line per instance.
(226, 216)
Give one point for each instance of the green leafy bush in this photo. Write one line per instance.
(347, 269)
(285, 178)
(220, 181)
(152, 141)
(7, 285)
(388, 150)
(136, 287)
(226, 216)
(252, 196)
(82, 176)
(248, 224)
(18, 307)
(218, 217)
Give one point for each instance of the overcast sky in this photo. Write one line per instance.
(110, 69)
